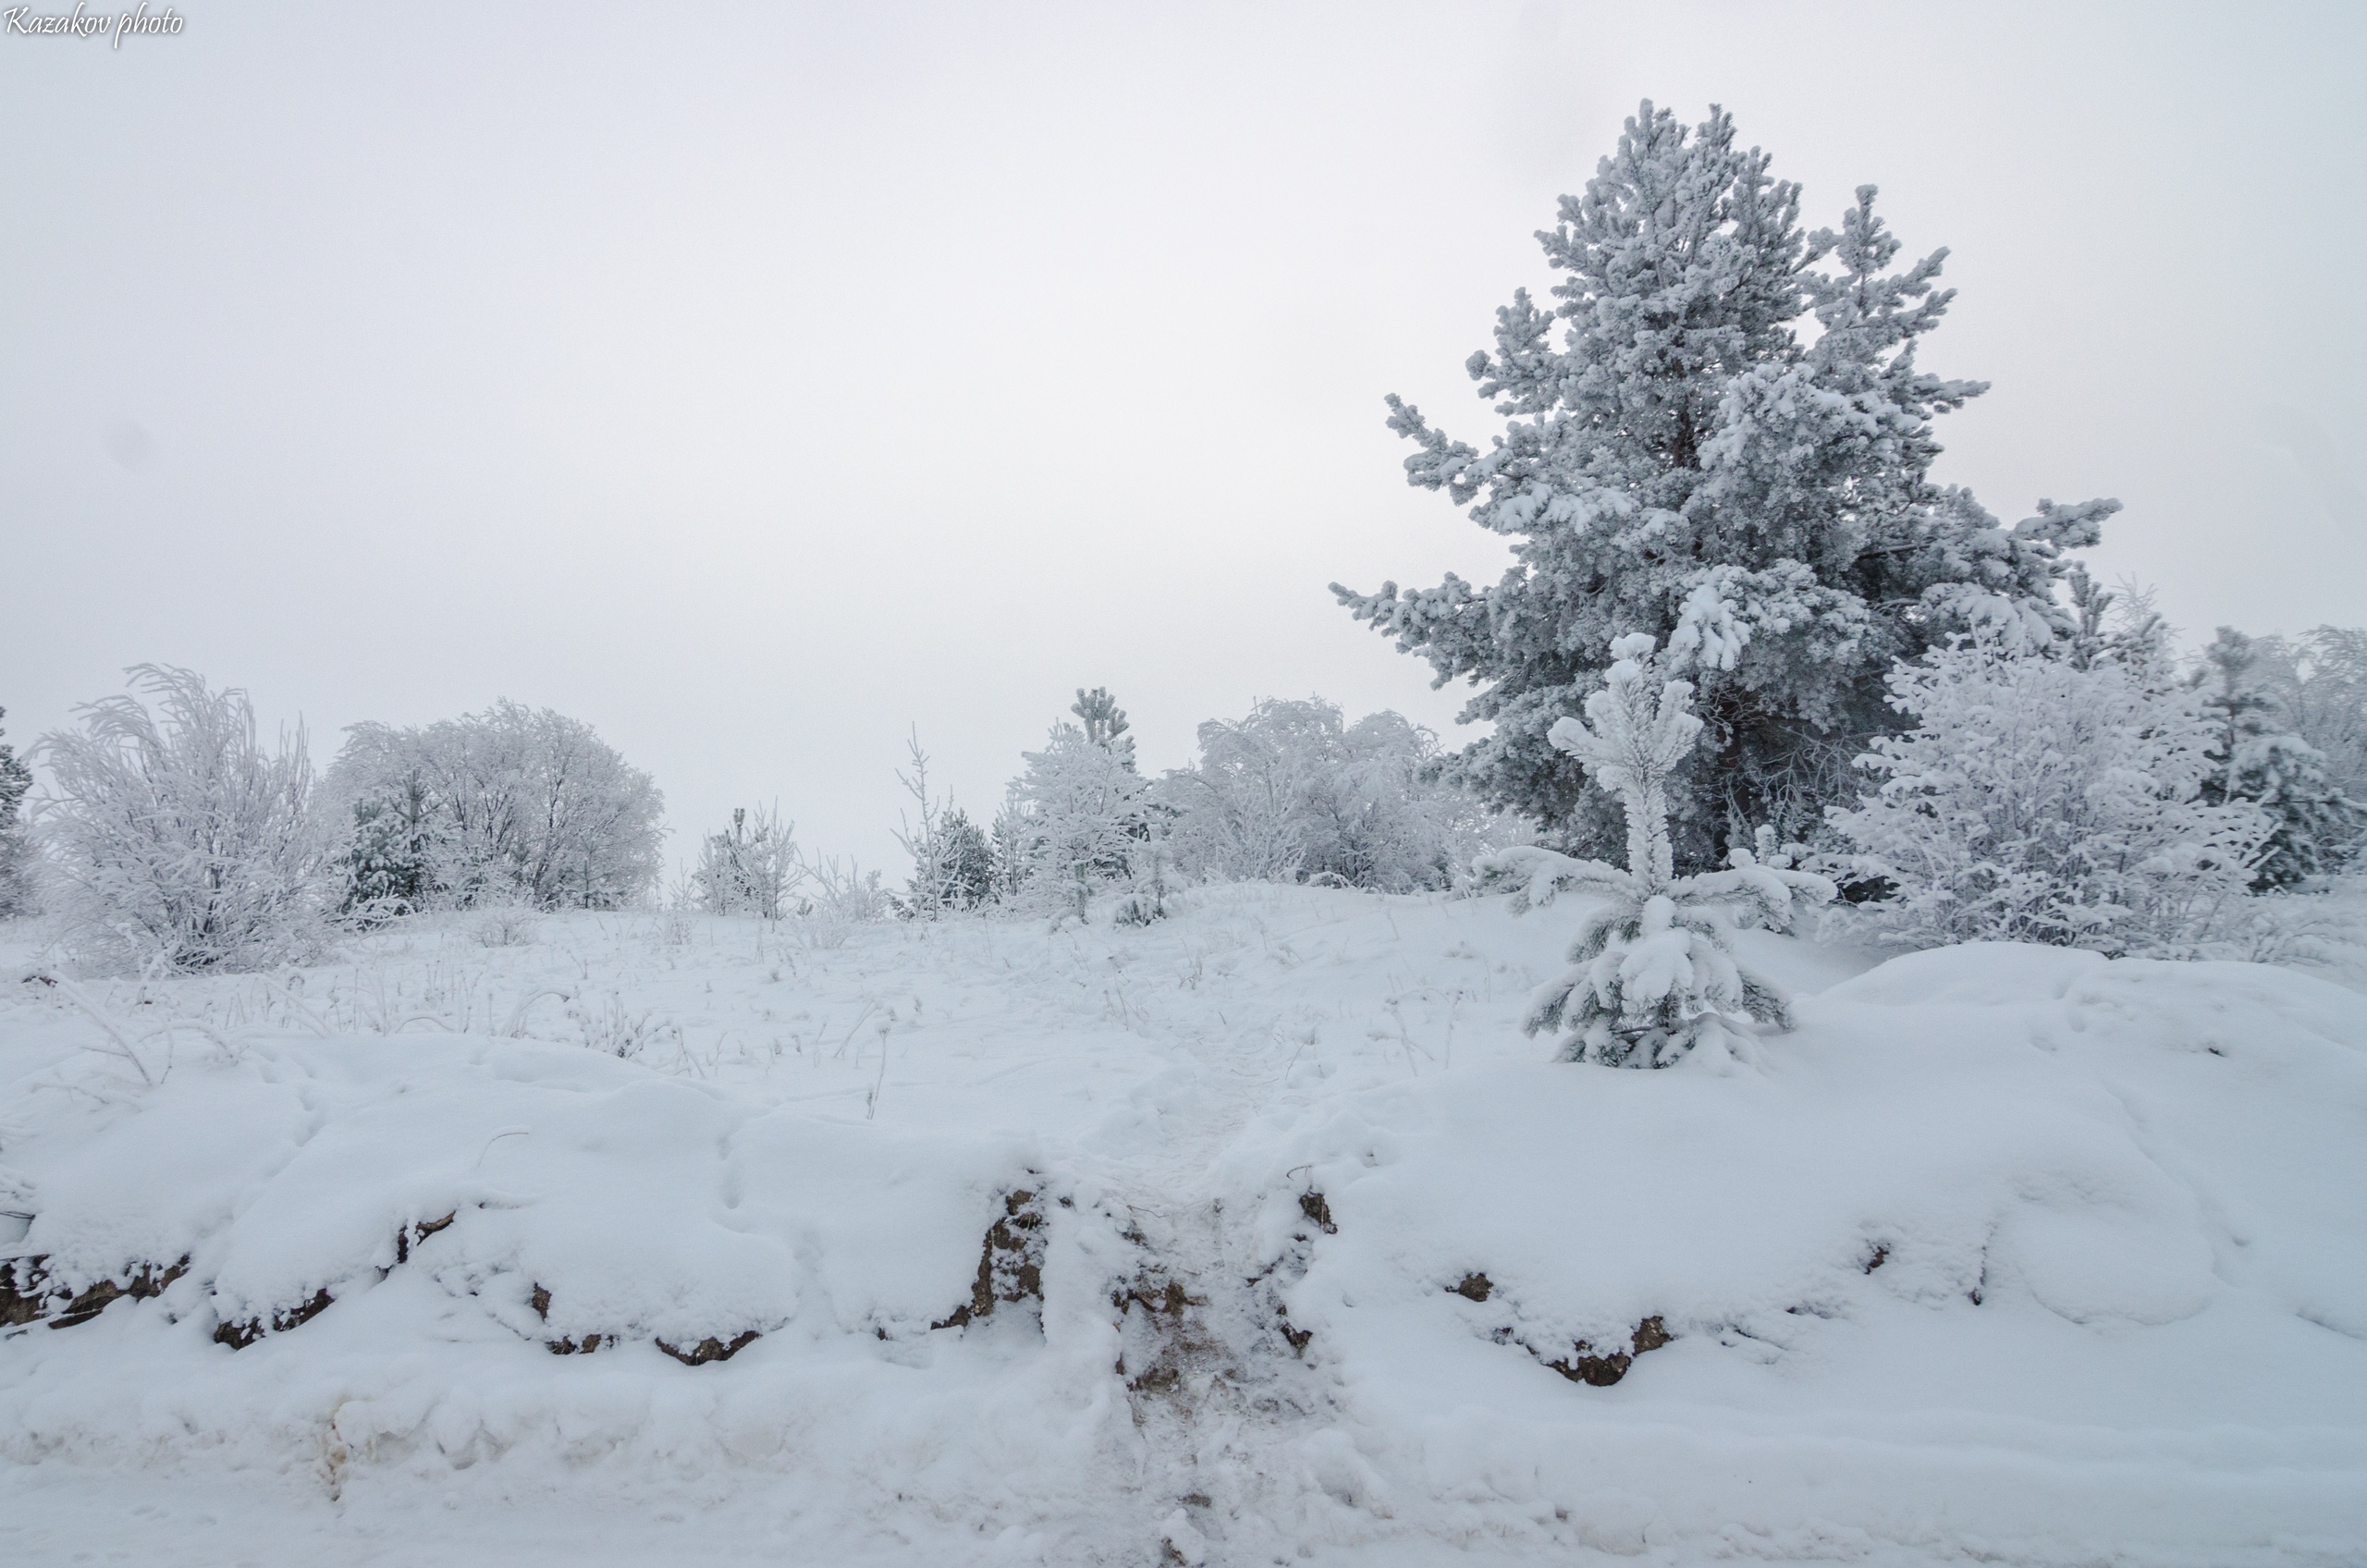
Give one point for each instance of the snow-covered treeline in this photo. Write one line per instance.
(1290, 792)
(1716, 438)
(513, 805)
(170, 837)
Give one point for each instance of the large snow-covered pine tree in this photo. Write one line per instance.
(1728, 449)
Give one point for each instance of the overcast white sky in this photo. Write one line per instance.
(758, 383)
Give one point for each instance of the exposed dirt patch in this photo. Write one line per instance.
(410, 1236)
(23, 1298)
(26, 1295)
(1316, 1207)
(1010, 1264)
(1596, 1369)
(706, 1350)
(239, 1335)
(1474, 1287)
(1160, 1333)
(540, 1300)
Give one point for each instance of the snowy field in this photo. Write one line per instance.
(1260, 1235)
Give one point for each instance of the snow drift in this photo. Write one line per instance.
(1261, 1233)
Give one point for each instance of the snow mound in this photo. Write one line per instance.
(1981, 1191)
(1260, 1233)
(574, 1197)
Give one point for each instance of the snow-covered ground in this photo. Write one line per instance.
(1255, 1236)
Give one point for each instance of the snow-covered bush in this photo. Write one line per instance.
(751, 867)
(505, 926)
(16, 854)
(1652, 972)
(2037, 800)
(176, 842)
(2256, 755)
(833, 899)
(1293, 792)
(508, 805)
(1728, 447)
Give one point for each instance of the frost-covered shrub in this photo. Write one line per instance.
(15, 852)
(1652, 972)
(751, 868)
(1717, 432)
(1293, 792)
(505, 926)
(512, 804)
(2038, 800)
(2320, 676)
(834, 899)
(177, 840)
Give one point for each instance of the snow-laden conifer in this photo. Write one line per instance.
(2039, 799)
(1105, 722)
(1728, 448)
(952, 862)
(390, 851)
(177, 840)
(2256, 755)
(1652, 972)
(15, 855)
(1081, 822)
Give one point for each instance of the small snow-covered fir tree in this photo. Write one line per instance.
(16, 853)
(1080, 819)
(2256, 756)
(1084, 808)
(1652, 972)
(2038, 800)
(952, 862)
(1719, 435)
(391, 854)
(178, 842)
(966, 861)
